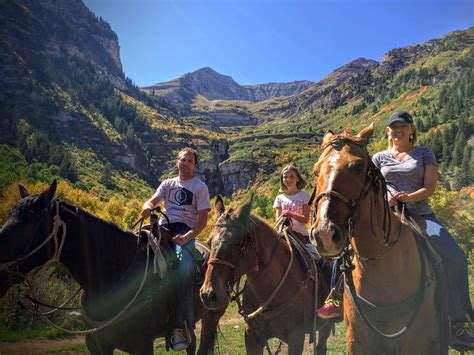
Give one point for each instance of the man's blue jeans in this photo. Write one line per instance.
(185, 256)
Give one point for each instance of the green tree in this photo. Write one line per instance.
(458, 150)
(467, 166)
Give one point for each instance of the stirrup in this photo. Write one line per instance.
(178, 340)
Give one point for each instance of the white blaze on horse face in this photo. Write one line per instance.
(325, 231)
(323, 217)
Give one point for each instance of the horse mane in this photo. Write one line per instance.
(80, 212)
(260, 224)
(255, 222)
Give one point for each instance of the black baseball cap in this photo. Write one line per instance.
(400, 117)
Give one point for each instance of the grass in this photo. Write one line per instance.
(229, 341)
(12, 336)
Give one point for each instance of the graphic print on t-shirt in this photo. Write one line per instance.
(292, 206)
(180, 196)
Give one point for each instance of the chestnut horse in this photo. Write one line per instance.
(389, 299)
(273, 305)
(108, 264)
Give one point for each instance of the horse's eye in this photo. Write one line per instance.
(356, 166)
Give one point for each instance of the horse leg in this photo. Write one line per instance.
(253, 344)
(144, 348)
(191, 349)
(324, 332)
(95, 346)
(209, 323)
(296, 342)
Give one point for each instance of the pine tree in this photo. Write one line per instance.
(446, 155)
(458, 150)
(419, 125)
(467, 166)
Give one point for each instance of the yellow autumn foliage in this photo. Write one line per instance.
(119, 210)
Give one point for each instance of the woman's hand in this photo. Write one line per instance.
(404, 197)
(391, 199)
(287, 214)
(394, 197)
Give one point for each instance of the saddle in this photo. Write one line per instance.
(159, 240)
(298, 243)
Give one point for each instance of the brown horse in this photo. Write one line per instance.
(109, 265)
(389, 298)
(273, 305)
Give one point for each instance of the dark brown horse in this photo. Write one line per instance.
(278, 299)
(389, 299)
(108, 264)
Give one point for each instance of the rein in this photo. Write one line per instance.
(347, 268)
(58, 245)
(116, 317)
(264, 306)
(243, 248)
(57, 222)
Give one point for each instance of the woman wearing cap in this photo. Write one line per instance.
(411, 173)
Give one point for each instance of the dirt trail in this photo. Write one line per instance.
(42, 346)
(61, 346)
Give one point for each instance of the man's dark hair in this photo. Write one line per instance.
(189, 150)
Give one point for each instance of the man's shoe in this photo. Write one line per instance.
(332, 308)
(463, 334)
(178, 340)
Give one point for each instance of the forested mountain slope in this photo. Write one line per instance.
(68, 111)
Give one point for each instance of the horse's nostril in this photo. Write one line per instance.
(213, 296)
(337, 237)
(209, 297)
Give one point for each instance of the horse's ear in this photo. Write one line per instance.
(366, 133)
(348, 130)
(48, 194)
(244, 211)
(23, 192)
(327, 136)
(219, 205)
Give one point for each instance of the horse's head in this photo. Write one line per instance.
(24, 230)
(341, 181)
(227, 243)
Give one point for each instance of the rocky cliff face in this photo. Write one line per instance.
(68, 27)
(224, 118)
(39, 37)
(58, 64)
(261, 92)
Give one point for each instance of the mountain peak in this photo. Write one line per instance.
(215, 86)
(207, 73)
(358, 64)
(206, 70)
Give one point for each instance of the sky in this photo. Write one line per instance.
(262, 41)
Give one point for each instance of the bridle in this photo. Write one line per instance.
(373, 177)
(243, 246)
(247, 241)
(12, 266)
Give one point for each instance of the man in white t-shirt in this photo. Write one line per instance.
(186, 203)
